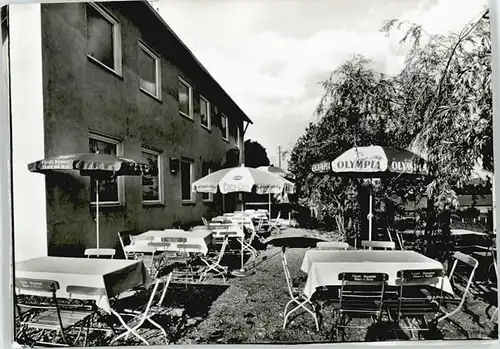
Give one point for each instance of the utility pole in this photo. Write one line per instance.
(279, 156)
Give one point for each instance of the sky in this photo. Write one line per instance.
(271, 55)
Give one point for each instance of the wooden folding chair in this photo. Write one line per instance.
(213, 263)
(100, 252)
(468, 265)
(145, 312)
(416, 307)
(378, 245)
(50, 318)
(332, 245)
(297, 297)
(361, 296)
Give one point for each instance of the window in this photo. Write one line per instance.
(224, 127)
(152, 187)
(205, 112)
(206, 170)
(185, 98)
(186, 180)
(109, 190)
(149, 71)
(104, 38)
(238, 135)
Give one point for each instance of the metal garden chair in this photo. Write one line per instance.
(361, 296)
(51, 318)
(467, 266)
(145, 312)
(413, 304)
(213, 263)
(298, 298)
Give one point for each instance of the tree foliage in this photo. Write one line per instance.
(440, 102)
(255, 154)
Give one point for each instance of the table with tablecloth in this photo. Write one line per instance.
(111, 276)
(324, 267)
(174, 240)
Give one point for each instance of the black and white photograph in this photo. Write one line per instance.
(251, 172)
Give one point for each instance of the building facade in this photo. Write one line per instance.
(116, 79)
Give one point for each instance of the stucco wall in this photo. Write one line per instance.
(80, 96)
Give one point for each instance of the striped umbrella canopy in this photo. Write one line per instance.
(99, 166)
(240, 179)
(91, 164)
(374, 162)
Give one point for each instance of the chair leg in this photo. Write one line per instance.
(154, 323)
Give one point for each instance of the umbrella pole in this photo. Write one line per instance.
(97, 213)
(370, 214)
(269, 205)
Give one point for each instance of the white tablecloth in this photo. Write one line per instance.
(113, 276)
(196, 241)
(324, 266)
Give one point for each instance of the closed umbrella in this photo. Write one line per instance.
(98, 166)
(374, 162)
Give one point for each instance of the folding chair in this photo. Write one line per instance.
(250, 235)
(50, 317)
(394, 235)
(274, 224)
(378, 245)
(414, 304)
(145, 312)
(213, 263)
(361, 296)
(297, 297)
(461, 260)
(332, 245)
(98, 252)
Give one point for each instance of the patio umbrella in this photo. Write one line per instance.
(236, 180)
(289, 186)
(374, 162)
(98, 166)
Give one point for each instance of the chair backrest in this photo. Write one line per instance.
(222, 250)
(205, 222)
(464, 261)
(332, 245)
(415, 304)
(42, 285)
(384, 245)
(395, 237)
(85, 290)
(288, 276)
(98, 252)
(121, 236)
(362, 292)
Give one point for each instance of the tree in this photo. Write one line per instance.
(440, 101)
(255, 154)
